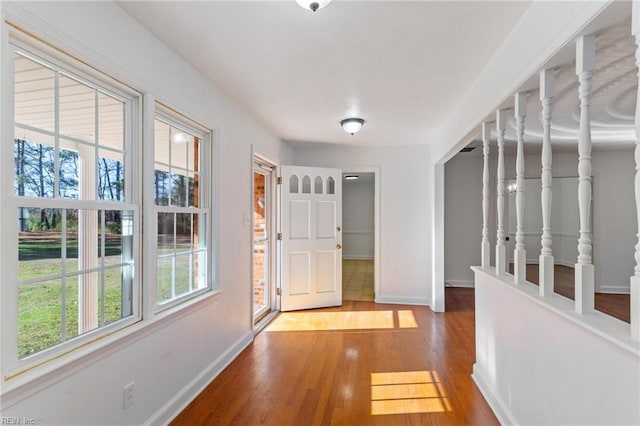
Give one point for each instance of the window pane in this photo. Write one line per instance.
(179, 189)
(193, 154)
(162, 142)
(34, 162)
(110, 122)
(77, 109)
(71, 307)
(118, 245)
(179, 146)
(39, 316)
(113, 285)
(166, 229)
(306, 185)
(183, 274)
(199, 270)
(110, 176)
(71, 261)
(34, 94)
(69, 177)
(161, 186)
(183, 232)
(88, 301)
(199, 240)
(39, 244)
(194, 189)
(165, 279)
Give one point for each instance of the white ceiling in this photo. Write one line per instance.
(399, 65)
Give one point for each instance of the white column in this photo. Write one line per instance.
(501, 250)
(635, 278)
(486, 245)
(584, 277)
(546, 262)
(519, 254)
(88, 256)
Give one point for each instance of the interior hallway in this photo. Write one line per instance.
(359, 364)
(357, 280)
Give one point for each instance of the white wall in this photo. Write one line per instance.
(170, 362)
(538, 363)
(358, 218)
(462, 217)
(405, 239)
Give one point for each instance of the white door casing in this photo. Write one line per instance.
(311, 238)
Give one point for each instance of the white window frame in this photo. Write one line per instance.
(207, 170)
(12, 365)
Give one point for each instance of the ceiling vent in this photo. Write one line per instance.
(468, 149)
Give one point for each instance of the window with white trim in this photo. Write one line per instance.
(70, 207)
(182, 166)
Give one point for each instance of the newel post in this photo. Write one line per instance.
(635, 278)
(501, 250)
(546, 262)
(519, 254)
(584, 275)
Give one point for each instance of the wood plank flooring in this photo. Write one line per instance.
(359, 364)
(616, 305)
(357, 280)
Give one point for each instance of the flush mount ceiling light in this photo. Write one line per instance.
(351, 177)
(313, 5)
(352, 125)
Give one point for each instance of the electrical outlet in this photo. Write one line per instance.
(127, 395)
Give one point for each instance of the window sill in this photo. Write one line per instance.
(31, 381)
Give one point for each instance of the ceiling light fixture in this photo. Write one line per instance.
(313, 5)
(352, 125)
(351, 177)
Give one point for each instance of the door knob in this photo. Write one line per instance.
(339, 229)
(338, 246)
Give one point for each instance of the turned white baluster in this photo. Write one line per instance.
(545, 268)
(584, 276)
(501, 250)
(519, 254)
(486, 245)
(635, 278)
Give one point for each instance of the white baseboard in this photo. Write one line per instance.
(500, 409)
(181, 399)
(401, 300)
(459, 283)
(356, 257)
(613, 289)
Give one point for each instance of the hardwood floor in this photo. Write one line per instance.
(359, 364)
(616, 305)
(357, 280)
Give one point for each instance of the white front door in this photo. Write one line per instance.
(311, 238)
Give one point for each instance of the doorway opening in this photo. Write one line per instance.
(358, 253)
(263, 251)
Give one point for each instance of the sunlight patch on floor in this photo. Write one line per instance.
(406, 319)
(319, 321)
(407, 392)
(350, 320)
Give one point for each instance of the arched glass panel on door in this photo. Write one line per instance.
(331, 185)
(293, 184)
(318, 185)
(306, 185)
